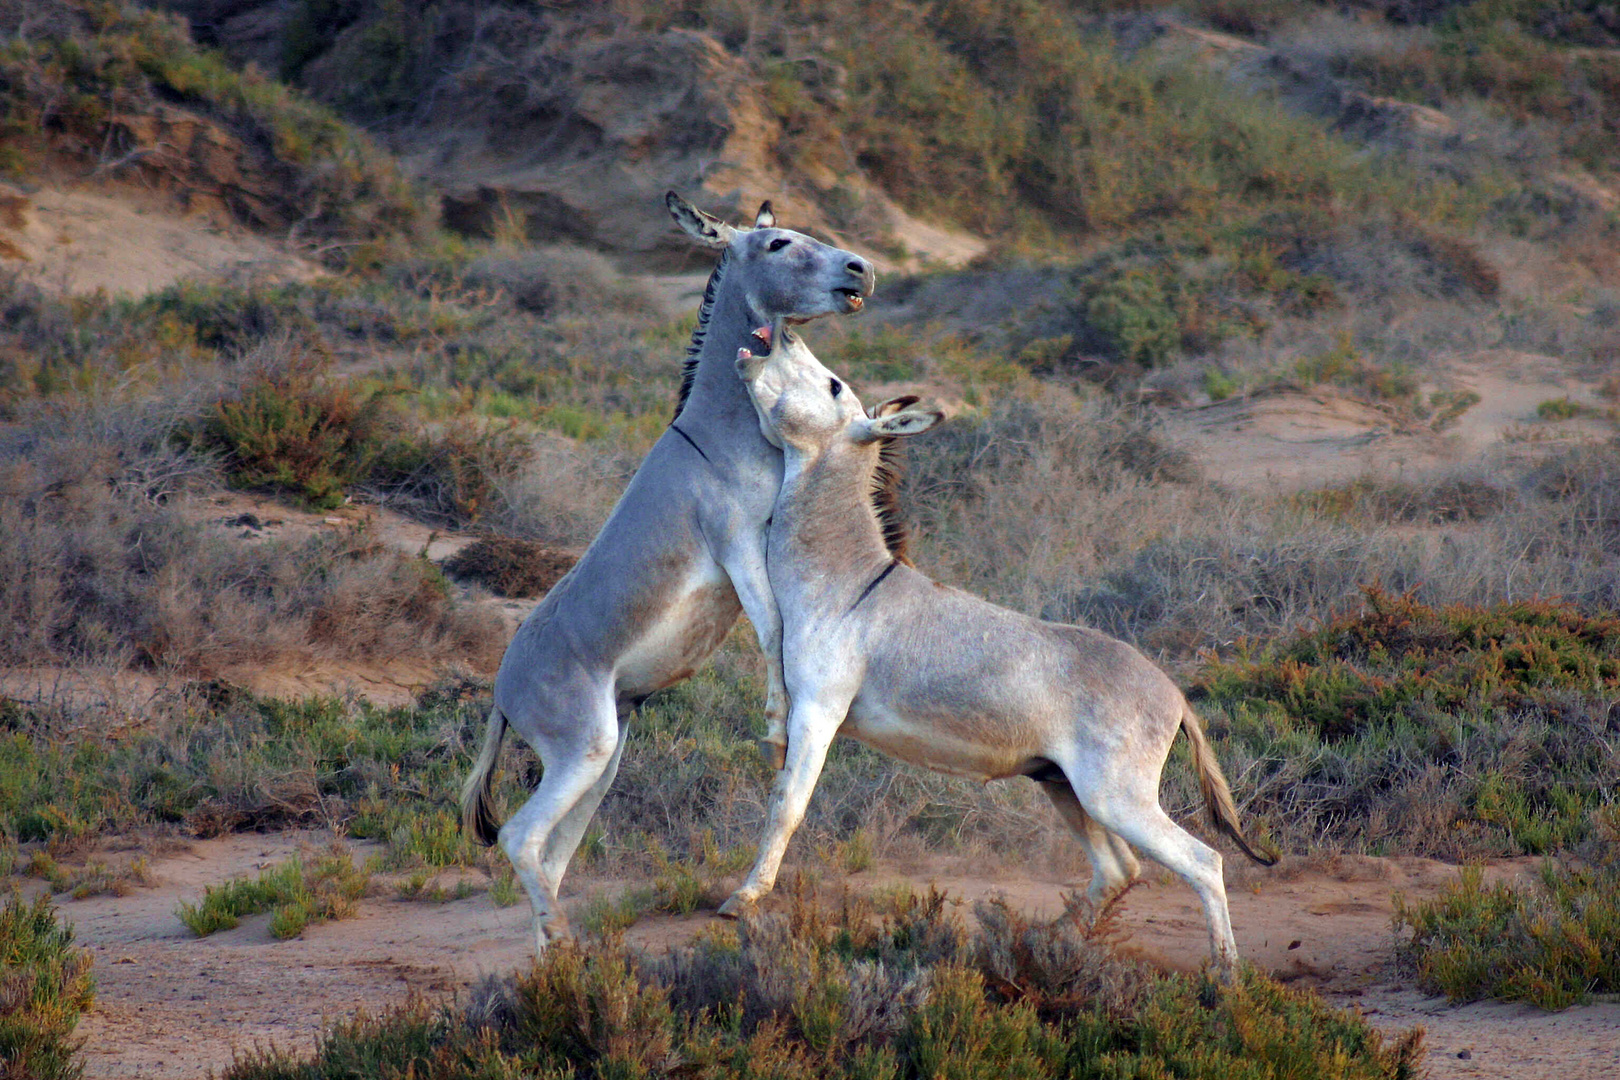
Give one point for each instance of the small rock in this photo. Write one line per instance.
(1464, 1055)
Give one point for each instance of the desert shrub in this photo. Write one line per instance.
(442, 473)
(1133, 314)
(551, 281)
(290, 431)
(45, 986)
(214, 761)
(1499, 53)
(1551, 943)
(510, 567)
(1450, 499)
(298, 894)
(99, 574)
(842, 990)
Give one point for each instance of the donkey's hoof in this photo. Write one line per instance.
(555, 928)
(735, 907)
(775, 754)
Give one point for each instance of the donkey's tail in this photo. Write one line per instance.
(477, 816)
(1217, 796)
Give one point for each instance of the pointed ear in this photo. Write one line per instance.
(706, 229)
(895, 425)
(766, 218)
(893, 405)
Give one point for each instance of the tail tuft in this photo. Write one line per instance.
(1217, 796)
(477, 813)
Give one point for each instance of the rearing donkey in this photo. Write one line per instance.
(682, 553)
(937, 677)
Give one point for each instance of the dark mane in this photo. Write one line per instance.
(695, 349)
(885, 497)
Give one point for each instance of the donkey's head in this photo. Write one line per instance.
(786, 274)
(806, 409)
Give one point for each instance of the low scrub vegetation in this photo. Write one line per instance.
(327, 888)
(844, 990)
(1376, 714)
(99, 565)
(1553, 943)
(45, 986)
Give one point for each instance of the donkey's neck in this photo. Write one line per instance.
(716, 399)
(824, 517)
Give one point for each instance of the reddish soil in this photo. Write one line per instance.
(169, 1005)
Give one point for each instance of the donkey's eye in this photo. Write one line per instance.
(779, 243)
(836, 387)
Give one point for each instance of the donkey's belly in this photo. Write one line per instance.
(980, 748)
(679, 636)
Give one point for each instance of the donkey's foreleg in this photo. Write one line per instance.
(745, 565)
(813, 727)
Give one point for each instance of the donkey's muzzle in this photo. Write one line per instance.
(862, 272)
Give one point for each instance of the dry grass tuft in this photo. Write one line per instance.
(507, 566)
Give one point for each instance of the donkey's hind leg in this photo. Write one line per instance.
(1128, 806)
(576, 758)
(568, 832)
(1113, 864)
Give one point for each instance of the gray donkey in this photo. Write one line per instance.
(934, 676)
(682, 553)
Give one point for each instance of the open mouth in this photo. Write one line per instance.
(761, 340)
(852, 298)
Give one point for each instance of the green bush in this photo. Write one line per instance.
(1553, 944)
(291, 431)
(298, 894)
(45, 986)
(1133, 313)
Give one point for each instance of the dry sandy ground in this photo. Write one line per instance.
(79, 241)
(169, 1005)
(1293, 440)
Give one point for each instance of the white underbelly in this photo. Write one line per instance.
(680, 637)
(941, 748)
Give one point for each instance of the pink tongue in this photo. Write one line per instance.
(764, 335)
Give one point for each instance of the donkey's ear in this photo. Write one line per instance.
(895, 425)
(706, 229)
(766, 218)
(892, 406)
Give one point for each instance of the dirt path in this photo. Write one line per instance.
(169, 1005)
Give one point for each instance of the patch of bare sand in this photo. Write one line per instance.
(75, 241)
(1288, 440)
(171, 1005)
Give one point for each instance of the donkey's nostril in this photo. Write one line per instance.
(857, 267)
